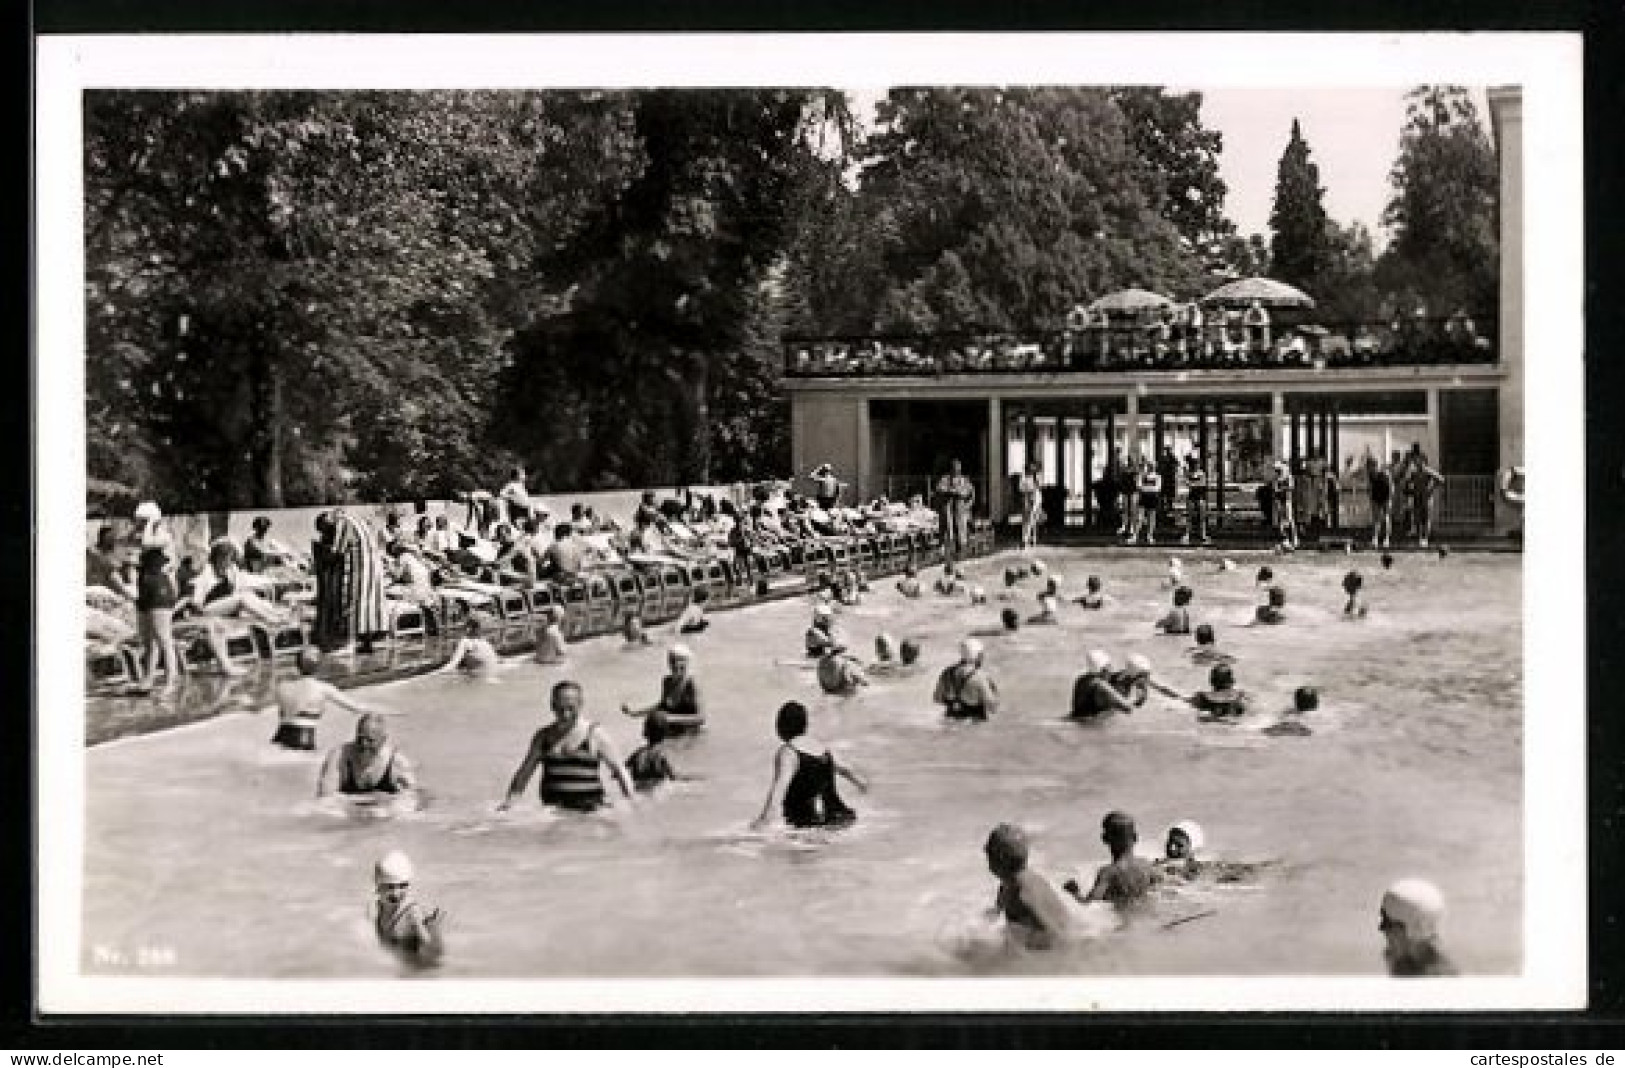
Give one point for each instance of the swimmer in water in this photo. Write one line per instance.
(1387, 561)
(649, 766)
(1206, 649)
(1305, 699)
(964, 689)
(1093, 695)
(909, 584)
(1176, 572)
(978, 595)
(679, 694)
(884, 648)
(1011, 619)
(1134, 681)
(301, 701)
(1178, 619)
(571, 752)
(846, 589)
(368, 765)
(1048, 608)
(473, 654)
(632, 630)
(1353, 582)
(403, 924)
(1409, 919)
(905, 663)
(1179, 860)
(1029, 904)
(1266, 575)
(550, 642)
(693, 620)
(840, 673)
(803, 792)
(948, 583)
(821, 635)
(1273, 610)
(1127, 881)
(1222, 702)
(1094, 598)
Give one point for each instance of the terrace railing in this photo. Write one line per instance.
(1158, 347)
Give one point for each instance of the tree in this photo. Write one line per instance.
(1444, 247)
(1298, 252)
(1348, 290)
(1182, 156)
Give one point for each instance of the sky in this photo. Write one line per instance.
(1353, 136)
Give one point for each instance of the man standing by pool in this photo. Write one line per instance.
(571, 753)
(829, 487)
(955, 495)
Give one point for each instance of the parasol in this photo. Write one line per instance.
(1129, 300)
(1266, 291)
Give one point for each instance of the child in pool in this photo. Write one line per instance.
(1206, 649)
(401, 923)
(1178, 620)
(1094, 597)
(1222, 702)
(1125, 882)
(473, 654)
(693, 620)
(550, 642)
(648, 766)
(1272, 611)
(1305, 699)
(909, 584)
(1353, 582)
(300, 702)
(1033, 911)
(1180, 861)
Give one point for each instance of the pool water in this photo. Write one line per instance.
(205, 840)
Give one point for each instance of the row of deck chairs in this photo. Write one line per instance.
(655, 589)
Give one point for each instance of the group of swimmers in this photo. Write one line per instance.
(574, 756)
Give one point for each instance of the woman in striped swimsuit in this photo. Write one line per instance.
(571, 753)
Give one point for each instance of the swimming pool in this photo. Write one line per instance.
(203, 840)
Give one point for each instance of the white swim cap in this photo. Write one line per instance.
(1192, 832)
(680, 652)
(1174, 564)
(824, 611)
(1098, 660)
(977, 594)
(1417, 904)
(148, 510)
(394, 867)
(1048, 603)
(1140, 663)
(1038, 567)
(1227, 564)
(970, 649)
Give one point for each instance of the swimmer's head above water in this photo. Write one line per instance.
(1204, 634)
(791, 721)
(1093, 583)
(1222, 677)
(909, 651)
(1006, 851)
(1266, 574)
(883, 646)
(1182, 596)
(1099, 661)
(1118, 832)
(1184, 839)
(309, 661)
(1387, 560)
(1011, 619)
(1305, 699)
(970, 652)
(392, 875)
(1353, 582)
(1409, 919)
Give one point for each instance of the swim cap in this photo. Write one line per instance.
(1417, 904)
(969, 650)
(148, 510)
(1099, 661)
(680, 652)
(1227, 564)
(1174, 564)
(1192, 832)
(393, 867)
(1048, 604)
(1139, 664)
(1038, 567)
(977, 595)
(823, 611)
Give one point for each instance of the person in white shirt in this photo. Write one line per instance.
(516, 497)
(1031, 505)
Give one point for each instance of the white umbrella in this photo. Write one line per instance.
(1266, 291)
(1129, 300)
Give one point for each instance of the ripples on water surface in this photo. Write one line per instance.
(203, 839)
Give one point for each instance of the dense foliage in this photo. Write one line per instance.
(298, 297)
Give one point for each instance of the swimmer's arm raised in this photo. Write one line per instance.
(527, 768)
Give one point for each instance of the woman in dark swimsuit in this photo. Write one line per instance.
(803, 787)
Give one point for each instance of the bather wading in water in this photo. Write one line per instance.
(368, 767)
(571, 752)
(804, 790)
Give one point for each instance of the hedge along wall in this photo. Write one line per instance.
(296, 527)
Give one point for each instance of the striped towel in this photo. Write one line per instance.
(363, 576)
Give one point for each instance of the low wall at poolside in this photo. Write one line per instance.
(296, 527)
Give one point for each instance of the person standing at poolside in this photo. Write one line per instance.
(362, 580)
(828, 491)
(572, 752)
(955, 496)
(1195, 500)
(1031, 505)
(1380, 489)
(1422, 486)
(516, 497)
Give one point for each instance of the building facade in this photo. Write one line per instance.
(891, 413)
